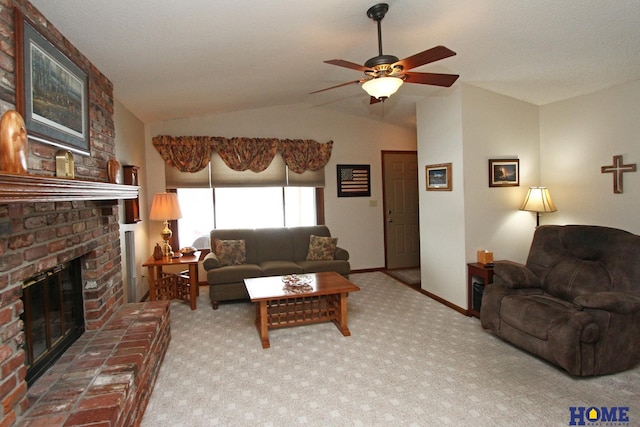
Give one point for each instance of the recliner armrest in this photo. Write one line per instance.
(615, 302)
(514, 275)
(211, 261)
(341, 254)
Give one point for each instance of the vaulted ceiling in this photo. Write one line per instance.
(174, 59)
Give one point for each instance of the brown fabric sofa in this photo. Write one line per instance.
(576, 302)
(268, 252)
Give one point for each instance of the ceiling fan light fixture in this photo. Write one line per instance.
(382, 87)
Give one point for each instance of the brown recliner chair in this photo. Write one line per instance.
(576, 302)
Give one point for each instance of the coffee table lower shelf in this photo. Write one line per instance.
(281, 309)
(282, 312)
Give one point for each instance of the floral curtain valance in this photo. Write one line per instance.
(192, 153)
(186, 153)
(302, 155)
(241, 154)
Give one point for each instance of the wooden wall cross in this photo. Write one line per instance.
(617, 169)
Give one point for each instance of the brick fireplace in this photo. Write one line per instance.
(38, 234)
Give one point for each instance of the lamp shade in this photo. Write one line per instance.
(382, 87)
(165, 207)
(538, 200)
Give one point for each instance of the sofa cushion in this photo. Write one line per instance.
(248, 235)
(339, 266)
(273, 244)
(233, 273)
(230, 252)
(572, 277)
(534, 314)
(321, 248)
(280, 268)
(300, 237)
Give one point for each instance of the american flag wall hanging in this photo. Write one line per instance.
(354, 180)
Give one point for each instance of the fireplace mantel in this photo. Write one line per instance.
(32, 188)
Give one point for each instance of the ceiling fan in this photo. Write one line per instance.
(384, 74)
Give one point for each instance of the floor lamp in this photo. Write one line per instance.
(538, 200)
(165, 207)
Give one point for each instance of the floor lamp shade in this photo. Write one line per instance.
(538, 200)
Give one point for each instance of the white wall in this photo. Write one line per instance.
(579, 136)
(442, 225)
(498, 127)
(130, 151)
(467, 126)
(357, 224)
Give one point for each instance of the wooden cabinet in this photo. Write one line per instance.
(131, 206)
(478, 276)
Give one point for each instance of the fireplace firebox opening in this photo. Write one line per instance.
(53, 316)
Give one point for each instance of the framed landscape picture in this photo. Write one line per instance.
(504, 172)
(51, 91)
(439, 177)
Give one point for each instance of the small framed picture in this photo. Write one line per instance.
(439, 177)
(504, 172)
(354, 180)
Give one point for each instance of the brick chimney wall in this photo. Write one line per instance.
(37, 236)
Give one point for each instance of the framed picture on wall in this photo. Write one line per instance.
(51, 91)
(504, 172)
(439, 177)
(354, 180)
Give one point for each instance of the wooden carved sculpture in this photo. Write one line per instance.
(13, 143)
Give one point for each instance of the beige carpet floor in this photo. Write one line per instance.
(409, 362)
(408, 276)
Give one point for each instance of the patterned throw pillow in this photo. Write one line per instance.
(231, 252)
(321, 248)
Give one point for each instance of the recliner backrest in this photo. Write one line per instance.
(573, 260)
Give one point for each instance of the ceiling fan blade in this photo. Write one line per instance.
(430, 55)
(347, 64)
(333, 87)
(435, 79)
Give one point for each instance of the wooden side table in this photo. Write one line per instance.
(156, 275)
(481, 271)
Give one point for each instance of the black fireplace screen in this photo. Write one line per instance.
(53, 317)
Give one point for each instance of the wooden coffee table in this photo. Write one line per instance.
(276, 307)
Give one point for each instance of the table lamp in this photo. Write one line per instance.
(165, 207)
(538, 200)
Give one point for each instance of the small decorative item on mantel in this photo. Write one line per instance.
(157, 252)
(65, 164)
(113, 171)
(13, 143)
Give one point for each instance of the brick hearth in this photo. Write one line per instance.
(106, 377)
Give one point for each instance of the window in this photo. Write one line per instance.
(196, 205)
(204, 209)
